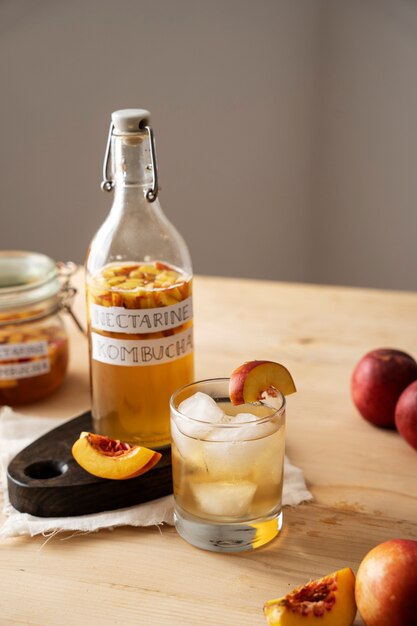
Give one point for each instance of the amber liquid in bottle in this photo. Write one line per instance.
(133, 400)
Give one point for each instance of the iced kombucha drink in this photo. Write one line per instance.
(140, 323)
(227, 468)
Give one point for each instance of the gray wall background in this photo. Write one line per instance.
(286, 130)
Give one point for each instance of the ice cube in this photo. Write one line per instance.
(190, 428)
(202, 411)
(201, 407)
(224, 498)
(242, 418)
(234, 453)
(189, 433)
(190, 448)
(226, 460)
(246, 432)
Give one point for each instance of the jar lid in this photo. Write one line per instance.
(26, 278)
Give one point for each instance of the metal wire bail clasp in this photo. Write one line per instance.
(108, 182)
(68, 291)
(152, 194)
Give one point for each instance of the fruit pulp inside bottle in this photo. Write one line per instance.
(131, 403)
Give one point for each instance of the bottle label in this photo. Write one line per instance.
(13, 371)
(140, 321)
(10, 351)
(133, 352)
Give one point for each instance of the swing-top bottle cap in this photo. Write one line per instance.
(130, 120)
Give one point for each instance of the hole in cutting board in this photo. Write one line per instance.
(43, 470)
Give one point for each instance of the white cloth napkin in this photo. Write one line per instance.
(18, 431)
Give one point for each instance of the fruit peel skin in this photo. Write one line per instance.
(386, 584)
(377, 382)
(250, 380)
(406, 414)
(328, 601)
(120, 462)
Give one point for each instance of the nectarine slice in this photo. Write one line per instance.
(110, 458)
(328, 601)
(250, 381)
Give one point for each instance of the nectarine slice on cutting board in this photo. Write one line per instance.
(328, 601)
(110, 458)
(250, 381)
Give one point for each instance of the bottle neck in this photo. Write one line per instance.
(132, 163)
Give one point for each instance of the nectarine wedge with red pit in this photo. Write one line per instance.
(113, 459)
(250, 381)
(328, 601)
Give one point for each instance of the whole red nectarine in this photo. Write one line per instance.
(406, 415)
(377, 382)
(386, 584)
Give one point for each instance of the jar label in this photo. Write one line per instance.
(132, 352)
(13, 371)
(10, 351)
(117, 319)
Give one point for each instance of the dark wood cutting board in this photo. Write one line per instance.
(45, 480)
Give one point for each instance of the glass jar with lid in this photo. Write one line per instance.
(33, 339)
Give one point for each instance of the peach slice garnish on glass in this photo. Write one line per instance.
(111, 458)
(254, 380)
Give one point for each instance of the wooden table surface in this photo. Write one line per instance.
(363, 479)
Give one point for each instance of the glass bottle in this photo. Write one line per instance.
(139, 295)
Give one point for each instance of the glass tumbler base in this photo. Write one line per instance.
(227, 537)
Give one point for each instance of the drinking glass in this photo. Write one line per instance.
(227, 464)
